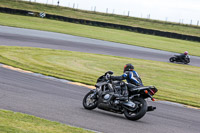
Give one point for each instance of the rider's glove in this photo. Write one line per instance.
(124, 75)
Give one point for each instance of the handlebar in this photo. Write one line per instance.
(109, 72)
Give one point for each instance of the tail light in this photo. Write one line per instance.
(153, 91)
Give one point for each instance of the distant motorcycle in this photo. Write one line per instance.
(106, 97)
(176, 58)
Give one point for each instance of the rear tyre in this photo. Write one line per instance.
(139, 112)
(89, 101)
(172, 59)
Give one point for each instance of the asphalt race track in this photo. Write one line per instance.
(61, 101)
(33, 38)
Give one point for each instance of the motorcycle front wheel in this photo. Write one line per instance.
(90, 101)
(139, 112)
(187, 61)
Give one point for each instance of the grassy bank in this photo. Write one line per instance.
(96, 16)
(177, 83)
(120, 36)
(12, 122)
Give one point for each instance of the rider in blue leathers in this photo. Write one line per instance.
(131, 77)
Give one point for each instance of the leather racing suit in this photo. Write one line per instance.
(132, 79)
(182, 57)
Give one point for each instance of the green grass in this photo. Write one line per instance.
(12, 122)
(175, 82)
(162, 43)
(96, 16)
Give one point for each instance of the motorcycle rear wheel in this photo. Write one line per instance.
(139, 112)
(172, 59)
(89, 102)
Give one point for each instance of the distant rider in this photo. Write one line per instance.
(183, 56)
(131, 77)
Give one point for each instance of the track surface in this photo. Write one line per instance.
(62, 102)
(33, 38)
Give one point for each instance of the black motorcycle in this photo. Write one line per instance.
(106, 97)
(176, 58)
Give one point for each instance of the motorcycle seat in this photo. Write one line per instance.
(132, 87)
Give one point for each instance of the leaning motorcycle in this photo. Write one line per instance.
(106, 97)
(176, 58)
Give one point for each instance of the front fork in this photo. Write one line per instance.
(94, 95)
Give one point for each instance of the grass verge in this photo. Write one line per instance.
(103, 17)
(177, 83)
(12, 122)
(150, 41)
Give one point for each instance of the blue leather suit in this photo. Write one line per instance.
(131, 77)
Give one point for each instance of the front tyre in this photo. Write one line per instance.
(186, 61)
(90, 101)
(139, 112)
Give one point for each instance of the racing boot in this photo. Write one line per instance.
(125, 94)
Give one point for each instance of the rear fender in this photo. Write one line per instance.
(149, 88)
(142, 88)
(144, 92)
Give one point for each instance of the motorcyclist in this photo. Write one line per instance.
(132, 79)
(183, 56)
